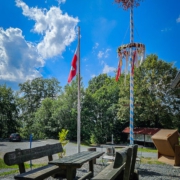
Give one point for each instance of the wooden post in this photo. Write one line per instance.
(92, 149)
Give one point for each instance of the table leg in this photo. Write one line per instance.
(69, 173)
(91, 167)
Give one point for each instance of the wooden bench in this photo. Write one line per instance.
(123, 166)
(19, 157)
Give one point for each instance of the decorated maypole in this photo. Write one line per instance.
(131, 76)
(132, 51)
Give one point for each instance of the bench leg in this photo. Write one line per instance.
(135, 175)
(69, 173)
(91, 167)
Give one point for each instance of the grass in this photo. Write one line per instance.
(15, 168)
(144, 150)
(150, 161)
(8, 173)
(147, 150)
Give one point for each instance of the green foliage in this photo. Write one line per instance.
(32, 94)
(159, 103)
(93, 139)
(63, 141)
(8, 112)
(99, 108)
(41, 108)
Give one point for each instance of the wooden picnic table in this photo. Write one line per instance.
(76, 161)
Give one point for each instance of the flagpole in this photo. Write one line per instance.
(131, 76)
(79, 107)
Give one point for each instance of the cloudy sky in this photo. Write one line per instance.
(39, 37)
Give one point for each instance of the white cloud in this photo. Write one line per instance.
(106, 52)
(103, 54)
(108, 69)
(166, 29)
(102, 62)
(19, 58)
(60, 1)
(58, 29)
(93, 75)
(96, 45)
(100, 54)
(178, 20)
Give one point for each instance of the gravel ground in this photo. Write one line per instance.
(146, 172)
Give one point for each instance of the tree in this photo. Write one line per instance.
(66, 112)
(8, 112)
(159, 103)
(44, 125)
(32, 94)
(100, 100)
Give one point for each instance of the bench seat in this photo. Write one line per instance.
(39, 173)
(109, 172)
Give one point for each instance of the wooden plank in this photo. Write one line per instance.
(109, 173)
(88, 157)
(69, 159)
(87, 175)
(77, 159)
(39, 173)
(18, 157)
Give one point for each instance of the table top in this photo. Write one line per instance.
(113, 145)
(77, 159)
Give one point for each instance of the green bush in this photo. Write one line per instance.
(63, 141)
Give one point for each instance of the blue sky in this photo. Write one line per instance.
(39, 37)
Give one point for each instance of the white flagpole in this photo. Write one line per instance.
(79, 106)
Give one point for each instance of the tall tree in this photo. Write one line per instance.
(159, 103)
(103, 93)
(61, 113)
(32, 94)
(8, 112)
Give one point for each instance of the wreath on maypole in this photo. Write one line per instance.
(126, 4)
(134, 51)
(124, 52)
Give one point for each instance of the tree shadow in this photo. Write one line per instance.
(145, 172)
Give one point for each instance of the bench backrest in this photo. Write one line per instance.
(128, 156)
(133, 161)
(20, 156)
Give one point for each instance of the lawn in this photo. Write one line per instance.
(14, 168)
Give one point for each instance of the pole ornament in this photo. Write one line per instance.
(126, 4)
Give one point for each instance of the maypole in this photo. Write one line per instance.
(131, 76)
(134, 51)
